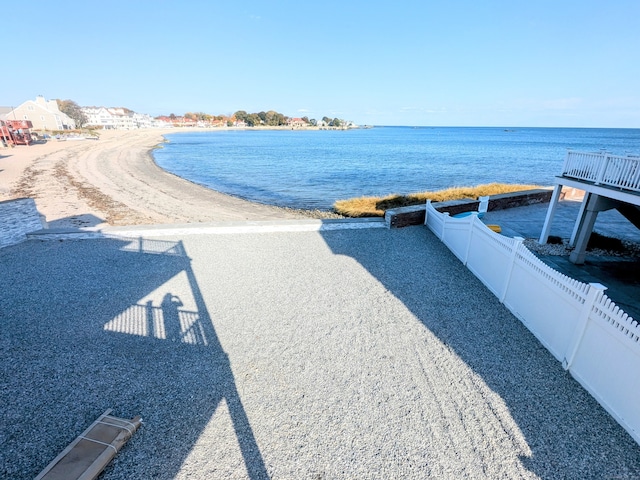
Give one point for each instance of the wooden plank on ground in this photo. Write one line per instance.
(91, 451)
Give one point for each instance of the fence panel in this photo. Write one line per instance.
(434, 220)
(457, 235)
(608, 367)
(552, 320)
(489, 258)
(576, 322)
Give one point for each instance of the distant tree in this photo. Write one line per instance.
(326, 120)
(74, 111)
(172, 116)
(202, 117)
(313, 122)
(263, 116)
(253, 119)
(190, 116)
(336, 122)
(241, 116)
(305, 119)
(275, 119)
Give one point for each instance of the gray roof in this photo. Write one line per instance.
(4, 111)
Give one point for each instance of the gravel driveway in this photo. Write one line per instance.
(290, 355)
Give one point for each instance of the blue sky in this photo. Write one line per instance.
(560, 63)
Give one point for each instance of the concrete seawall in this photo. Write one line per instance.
(414, 215)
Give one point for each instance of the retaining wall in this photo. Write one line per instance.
(414, 215)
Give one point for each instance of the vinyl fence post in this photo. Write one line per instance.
(472, 226)
(445, 216)
(596, 290)
(517, 242)
(426, 211)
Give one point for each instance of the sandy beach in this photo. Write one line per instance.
(114, 181)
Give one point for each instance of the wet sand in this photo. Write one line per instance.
(114, 181)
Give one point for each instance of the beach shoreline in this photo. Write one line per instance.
(115, 181)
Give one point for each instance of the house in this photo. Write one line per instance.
(142, 120)
(43, 114)
(99, 117)
(296, 123)
(117, 118)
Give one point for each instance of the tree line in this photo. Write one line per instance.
(270, 118)
(276, 119)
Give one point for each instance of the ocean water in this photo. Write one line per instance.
(313, 169)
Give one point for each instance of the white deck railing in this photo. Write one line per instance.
(604, 169)
(593, 338)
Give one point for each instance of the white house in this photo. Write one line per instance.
(117, 118)
(99, 117)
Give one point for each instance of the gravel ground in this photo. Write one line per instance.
(631, 249)
(340, 354)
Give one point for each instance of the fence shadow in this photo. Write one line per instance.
(77, 340)
(568, 433)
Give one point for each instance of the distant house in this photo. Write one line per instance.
(296, 123)
(163, 121)
(43, 114)
(142, 120)
(117, 118)
(99, 117)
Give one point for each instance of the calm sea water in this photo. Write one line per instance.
(313, 169)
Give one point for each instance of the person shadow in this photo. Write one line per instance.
(98, 343)
(171, 315)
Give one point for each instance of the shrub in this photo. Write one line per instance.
(376, 206)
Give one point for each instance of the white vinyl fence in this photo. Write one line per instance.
(596, 341)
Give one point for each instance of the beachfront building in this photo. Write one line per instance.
(296, 123)
(43, 114)
(117, 118)
(142, 120)
(99, 117)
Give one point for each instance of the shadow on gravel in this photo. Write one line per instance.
(79, 221)
(568, 433)
(74, 341)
